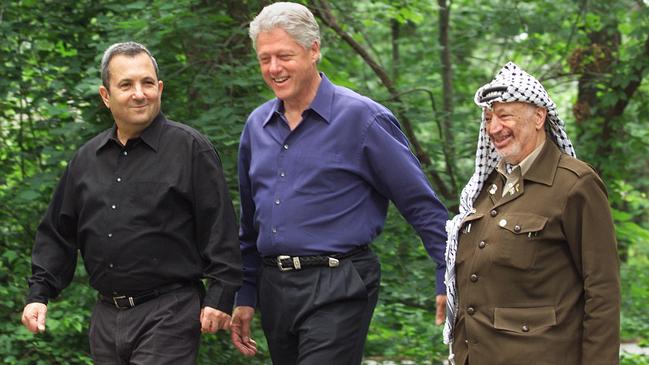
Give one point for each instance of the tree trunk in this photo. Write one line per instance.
(600, 70)
(322, 10)
(448, 142)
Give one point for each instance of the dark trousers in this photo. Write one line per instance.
(161, 331)
(319, 315)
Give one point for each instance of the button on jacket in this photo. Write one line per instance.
(325, 186)
(537, 270)
(151, 213)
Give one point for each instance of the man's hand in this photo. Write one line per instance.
(440, 314)
(213, 320)
(34, 316)
(240, 334)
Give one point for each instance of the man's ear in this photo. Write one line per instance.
(105, 95)
(315, 52)
(539, 117)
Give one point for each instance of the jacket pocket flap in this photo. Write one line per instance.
(524, 320)
(472, 217)
(520, 223)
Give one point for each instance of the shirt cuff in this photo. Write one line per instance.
(440, 287)
(38, 293)
(246, 296)
(219, 298)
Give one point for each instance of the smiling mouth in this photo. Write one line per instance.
(501, 140)
(279, 80)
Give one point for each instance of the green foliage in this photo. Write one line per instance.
(49, 106)
(403, 326)
(629, 359)
(635, 294)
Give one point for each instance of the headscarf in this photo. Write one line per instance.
(510, 84)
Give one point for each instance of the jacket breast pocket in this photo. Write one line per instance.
(516, 239)
(524, 320)
(467, 237)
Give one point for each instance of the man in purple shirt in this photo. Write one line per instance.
(318, 166)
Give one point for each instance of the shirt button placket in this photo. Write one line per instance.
(279, 186)
(117, 190)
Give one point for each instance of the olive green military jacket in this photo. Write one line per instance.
(537, 270)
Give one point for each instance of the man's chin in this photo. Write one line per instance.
(504, 154)
(140, 120)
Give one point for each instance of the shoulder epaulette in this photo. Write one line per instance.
(578, 167)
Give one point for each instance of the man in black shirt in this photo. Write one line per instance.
(147, 205)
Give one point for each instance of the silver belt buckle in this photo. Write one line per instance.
(130, 301)
(279, 262)
(333, 262)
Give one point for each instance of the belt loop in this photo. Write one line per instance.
(296, 263)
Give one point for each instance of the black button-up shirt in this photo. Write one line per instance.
(151, 213)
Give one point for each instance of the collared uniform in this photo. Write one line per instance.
(537, 270)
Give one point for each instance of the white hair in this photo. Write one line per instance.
(295, 19)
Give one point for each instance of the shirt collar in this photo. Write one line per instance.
(529, 160)
(150, 136)
(524, 165)
(322, 103)
(109, 135)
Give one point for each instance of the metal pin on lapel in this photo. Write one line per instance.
(493, 189)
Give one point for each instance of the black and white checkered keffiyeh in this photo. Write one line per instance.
(510, 84)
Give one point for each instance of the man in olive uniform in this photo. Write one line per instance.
(532, 267)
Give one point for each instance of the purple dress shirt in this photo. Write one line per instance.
(325, 186)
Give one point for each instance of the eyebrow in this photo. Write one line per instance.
(128, 79)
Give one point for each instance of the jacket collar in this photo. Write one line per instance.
(544, 168)
(542, 171)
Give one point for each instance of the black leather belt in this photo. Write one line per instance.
(288, 263)
(125, 301)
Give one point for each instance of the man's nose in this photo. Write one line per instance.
(138, 92)
(494, 125)
(274, 66)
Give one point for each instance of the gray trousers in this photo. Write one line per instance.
(319, 315)
(161, 331)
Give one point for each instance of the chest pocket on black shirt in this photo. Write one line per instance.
(515, 243)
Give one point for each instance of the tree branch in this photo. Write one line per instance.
(322, 9)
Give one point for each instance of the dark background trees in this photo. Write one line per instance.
(423, 59)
